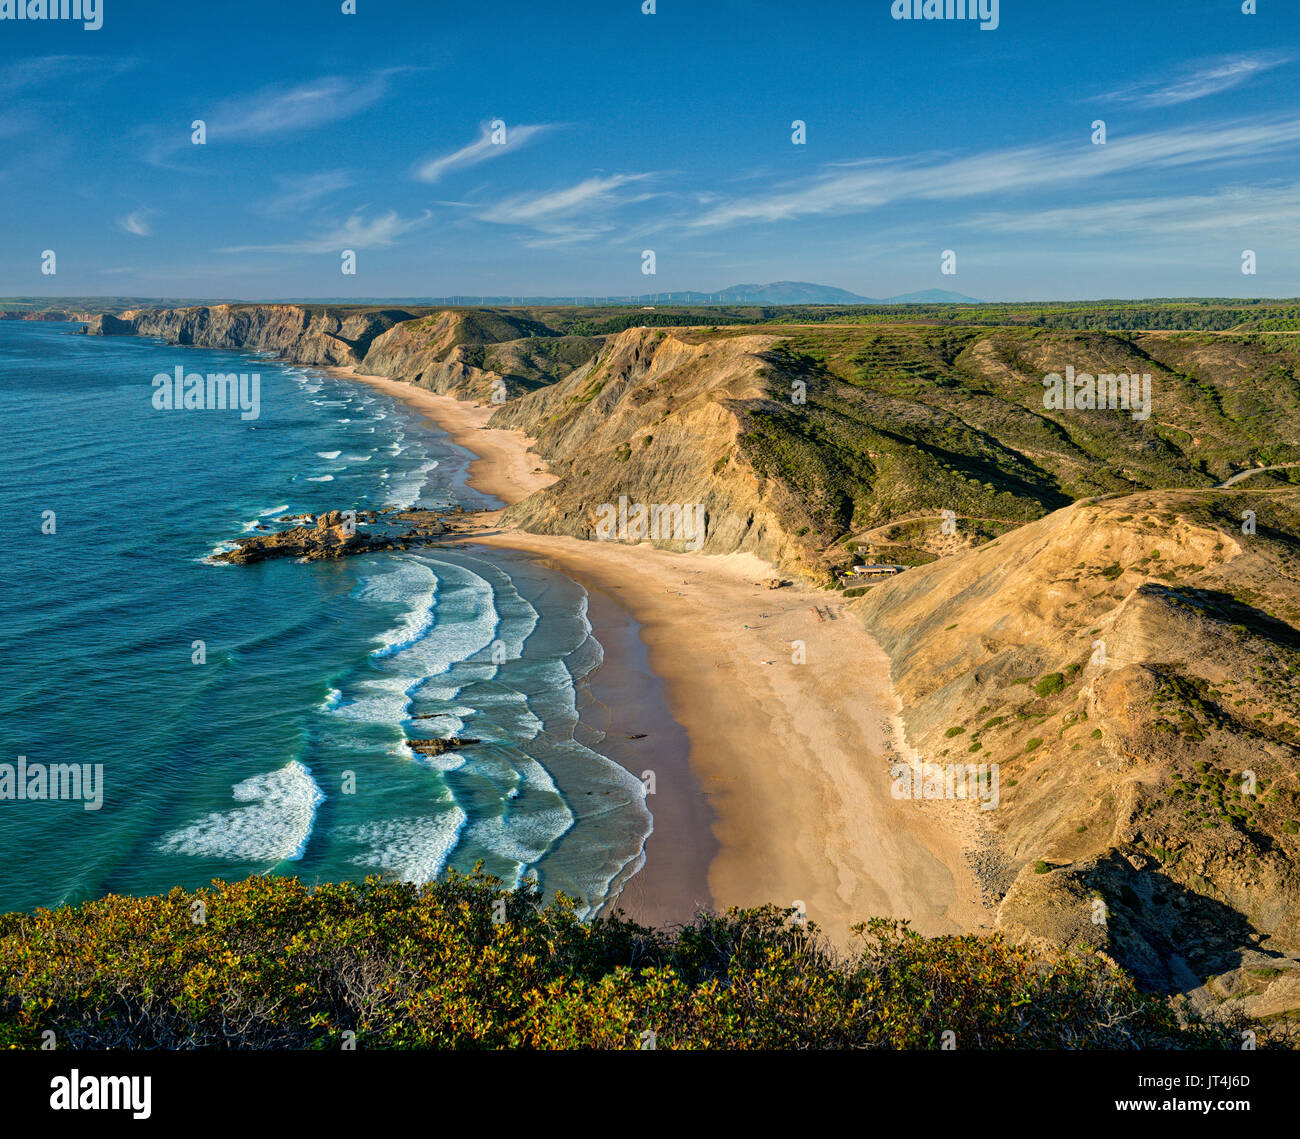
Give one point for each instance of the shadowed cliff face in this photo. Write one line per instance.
(1133, 667)
(486, 356)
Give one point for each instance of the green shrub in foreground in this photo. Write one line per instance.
(278, 964)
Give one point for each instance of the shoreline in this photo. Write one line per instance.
(779, 791)
(503, 466)
(622, 699)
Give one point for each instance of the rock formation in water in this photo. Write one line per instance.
(335, 534)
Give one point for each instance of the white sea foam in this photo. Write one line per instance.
(274, 827)
(406, 492)
(436, 652)
(414, 849)
(449, 616)
(521, 837)
(253, 523)
(448, 761)
(321, 478)
(219, 548)
(414, 584)
(377, 701)
(467, 622)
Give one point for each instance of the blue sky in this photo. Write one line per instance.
(671, 132)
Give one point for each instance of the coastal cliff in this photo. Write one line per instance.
(1080, 604)
(304, 334)
(468, 353)
(476, 355)
(1133, 668)
(44, 314)
(812, 446)
(663, 418)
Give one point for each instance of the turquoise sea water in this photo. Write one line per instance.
(283, 752)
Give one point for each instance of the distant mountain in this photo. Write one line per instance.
(798, 293)
(933, 297)
(779, 293)
(774, 293)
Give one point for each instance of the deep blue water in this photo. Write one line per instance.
(283, 750)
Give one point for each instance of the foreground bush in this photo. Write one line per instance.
(279, 965)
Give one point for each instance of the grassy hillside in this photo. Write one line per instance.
(463, 964)
(920, 419)
(817, 444)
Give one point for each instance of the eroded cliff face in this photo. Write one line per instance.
(650, 416)
(1132, 665)
(465, 353)
(301, 333)
(434, 352)
(660, 418)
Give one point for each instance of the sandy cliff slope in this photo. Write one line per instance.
(1133, 666)
(661, 417)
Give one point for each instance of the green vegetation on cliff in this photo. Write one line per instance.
(906, 420)
(465, 964)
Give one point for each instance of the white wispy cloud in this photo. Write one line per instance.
(299, 192)
(481, 149)
(271, 112)
(574, 213)
(66, 70)
(285, 110)
(357, 232)
(136, 222)
(1199, 80)
(878, 182)
(1268, 212)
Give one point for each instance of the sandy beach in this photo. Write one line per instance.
(772, 781)
(504, 467)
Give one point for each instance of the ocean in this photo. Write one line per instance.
(252, 719)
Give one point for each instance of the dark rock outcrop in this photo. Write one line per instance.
(438, 747)
(335, 534)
